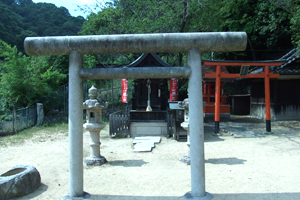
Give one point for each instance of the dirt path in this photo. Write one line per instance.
(236, 168)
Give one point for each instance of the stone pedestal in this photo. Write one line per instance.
(94, 125)
(95, 157)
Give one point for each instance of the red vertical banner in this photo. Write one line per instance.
(173, 89)
(124, 90)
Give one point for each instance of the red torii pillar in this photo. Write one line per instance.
(266, 75)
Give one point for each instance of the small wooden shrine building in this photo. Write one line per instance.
(149, 100)
(284, 91)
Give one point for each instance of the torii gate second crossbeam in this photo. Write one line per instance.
(266, 75)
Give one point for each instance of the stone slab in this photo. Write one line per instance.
(146, 139)
(144, 129)
(144, 144)
(140, 149)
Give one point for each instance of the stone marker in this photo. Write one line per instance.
(40, 114)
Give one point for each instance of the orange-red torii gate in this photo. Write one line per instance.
(266, 75)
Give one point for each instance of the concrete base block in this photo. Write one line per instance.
(268, 133)
(95, 161)
(148, 129)
(189, 196)
(217, 134)
(84, 196)
(186, 160)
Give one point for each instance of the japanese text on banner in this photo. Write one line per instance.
(124, 90)
(173, 89)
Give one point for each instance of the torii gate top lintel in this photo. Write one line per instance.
(136, 43)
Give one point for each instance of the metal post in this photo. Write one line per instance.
(13, 121)
(267, 99)
(26, 117)
(75, 126)
(112, 95)
(64, 99)
(217, 98)
(196, 127)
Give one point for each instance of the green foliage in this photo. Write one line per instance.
(147, 16)
(295, 27)
(23, 18)
(267, 23)
(10, 24)
(271, 25)
(25, 79)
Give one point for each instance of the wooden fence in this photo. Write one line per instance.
(119, 124)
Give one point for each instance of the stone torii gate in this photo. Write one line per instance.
(193, 43)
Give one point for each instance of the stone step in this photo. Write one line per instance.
(144, 144)
(146, 139)
(142, 149)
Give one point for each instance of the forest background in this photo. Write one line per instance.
(272, 27)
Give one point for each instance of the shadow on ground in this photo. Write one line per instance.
(128, 163)
(227, 161)
(256, 196)
(43, 188)
(241, 196)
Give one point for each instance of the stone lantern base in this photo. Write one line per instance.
(95, 161)
(186, 160)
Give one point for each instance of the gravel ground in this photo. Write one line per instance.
(258, 167)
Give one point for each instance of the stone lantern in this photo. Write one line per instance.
(186, 125)
(94, 125)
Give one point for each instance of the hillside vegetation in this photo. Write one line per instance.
(272, 27)
(23, 18)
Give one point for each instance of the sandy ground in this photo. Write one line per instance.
(262, 167)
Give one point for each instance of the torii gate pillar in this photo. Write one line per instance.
(196, 128)
(75, 125)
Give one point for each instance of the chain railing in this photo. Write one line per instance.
(16, 120)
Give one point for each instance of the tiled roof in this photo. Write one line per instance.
(290, 65)
(210, 69)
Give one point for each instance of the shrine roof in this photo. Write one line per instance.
(290, 65)
(241, 62)
(148, 60)
(209, 69)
